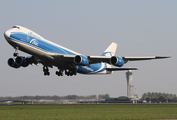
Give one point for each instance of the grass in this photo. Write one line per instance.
(88, 112)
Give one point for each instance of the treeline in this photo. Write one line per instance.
(55, 97)
(155, 97)
(103, 96)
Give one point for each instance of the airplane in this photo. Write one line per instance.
(50, 54)
(15, 101)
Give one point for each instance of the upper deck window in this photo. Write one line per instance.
(16, 27)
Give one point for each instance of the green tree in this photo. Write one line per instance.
(162, 99)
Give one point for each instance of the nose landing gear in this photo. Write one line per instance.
(16, 54)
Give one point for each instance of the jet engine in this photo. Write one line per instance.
(81, 60)
(11, 62)
(117, 61)
(22, 61)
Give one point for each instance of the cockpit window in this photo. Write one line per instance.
(16, 27)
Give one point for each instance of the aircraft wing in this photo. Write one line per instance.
(99, 59)
(92, 59)
(126, 59)
(66, 58)
(120, 69)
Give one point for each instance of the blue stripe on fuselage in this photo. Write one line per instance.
(37, 43)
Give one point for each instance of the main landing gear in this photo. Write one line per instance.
(46, 71)
(59, 73)
(68, 72)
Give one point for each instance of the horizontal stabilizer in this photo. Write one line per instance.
(120, 69)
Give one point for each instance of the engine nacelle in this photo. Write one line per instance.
(81, 60)
(22, 61)
(117, 61)
(11, 62)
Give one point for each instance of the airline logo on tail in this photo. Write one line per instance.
(109, 54)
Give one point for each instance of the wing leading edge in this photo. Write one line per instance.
(99, 59)
(120, 69)
(126, 59)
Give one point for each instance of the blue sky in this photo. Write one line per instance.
(140, 28)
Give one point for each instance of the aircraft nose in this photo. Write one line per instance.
(7, 34)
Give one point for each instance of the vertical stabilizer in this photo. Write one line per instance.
(111, 50)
